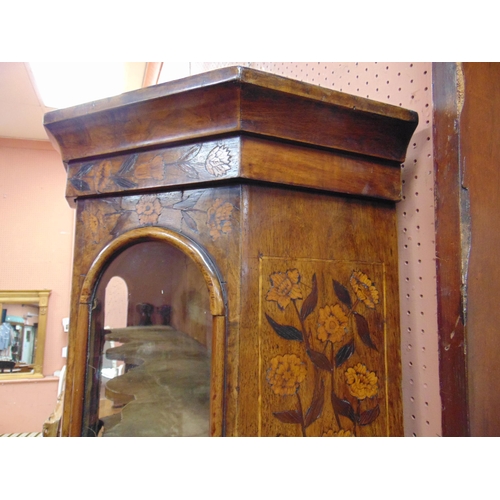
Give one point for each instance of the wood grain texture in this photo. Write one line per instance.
(228, 101)
(281, 163)
(480, 156)
(219, 161)
(452, 358)
(177, 165)
(295, 230)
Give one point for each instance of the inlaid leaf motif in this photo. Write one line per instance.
(189, 170)
(127, 165)
(320, 360)
(311, 300)
(79, 184)
(367, 417)
(288, 417)
(343, 407)
(84, 170)
(344, 353)
(363, 331)
(190, 153)
(189, 202)
(314, 411)
(286, 332)
(342, 293)
(124, 183)
(189, 221)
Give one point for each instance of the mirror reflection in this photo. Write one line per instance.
(151, 332)
(22, 332)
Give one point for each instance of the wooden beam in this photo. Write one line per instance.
(450, 300)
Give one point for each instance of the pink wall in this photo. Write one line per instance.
(35, 251)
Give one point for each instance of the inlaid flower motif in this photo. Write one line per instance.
(219, 218)
(332, 324)
(284, 288)
(148, 209)
(218, 161)
(364, 289)
(285, 374)
(340, 433)
(361, 382)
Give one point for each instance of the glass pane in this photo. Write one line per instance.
(152, 354)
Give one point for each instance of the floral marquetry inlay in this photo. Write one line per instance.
(192, 212)
(173, 165)
(323, 338)
(148, 209)
(218, 161)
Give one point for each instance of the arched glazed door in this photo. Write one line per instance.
(156, 375)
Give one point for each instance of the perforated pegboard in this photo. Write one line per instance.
(408, 85)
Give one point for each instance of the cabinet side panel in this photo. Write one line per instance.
(319, 336)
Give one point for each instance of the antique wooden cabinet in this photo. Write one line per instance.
(252, 221)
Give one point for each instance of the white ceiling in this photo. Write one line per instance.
(21, 109)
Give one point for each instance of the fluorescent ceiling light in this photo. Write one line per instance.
(61, 85)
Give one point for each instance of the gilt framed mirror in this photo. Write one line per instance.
(23, 329)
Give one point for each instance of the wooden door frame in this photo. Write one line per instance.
(448, 92)
(77, 357)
